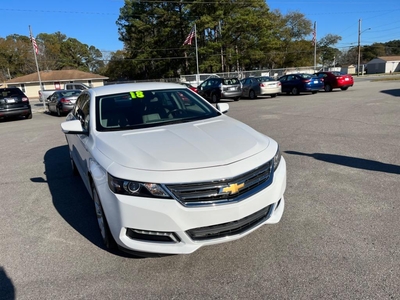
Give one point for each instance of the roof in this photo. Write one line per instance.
(389, 58)
(138, 86)
(59, 75)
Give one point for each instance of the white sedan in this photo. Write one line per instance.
(170, 173)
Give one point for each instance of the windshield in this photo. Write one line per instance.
(231, 81)
(306, 76)
(141, 109)
(265, 79)
(70, 93)
(336, 73)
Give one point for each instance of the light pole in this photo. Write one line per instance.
(359, 47)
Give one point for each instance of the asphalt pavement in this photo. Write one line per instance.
(338, 238)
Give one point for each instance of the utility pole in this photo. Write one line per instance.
(359, 47)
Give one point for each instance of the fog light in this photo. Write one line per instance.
(155, 236)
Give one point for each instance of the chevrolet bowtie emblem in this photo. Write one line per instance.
(233, 188)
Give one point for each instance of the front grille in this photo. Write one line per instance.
(231, 228)
(223, 191)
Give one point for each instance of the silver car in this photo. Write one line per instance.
(61, 102)
(260, 86)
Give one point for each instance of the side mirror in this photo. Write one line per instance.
(223, 107)
(72, 127)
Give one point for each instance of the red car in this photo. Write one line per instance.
(335, 80)
(194, 89)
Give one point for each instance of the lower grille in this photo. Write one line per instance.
(231, 228)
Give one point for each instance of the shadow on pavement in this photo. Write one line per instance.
(69, 194)
(352, 162)
(71, 198)
(394, 92)
(7, 291)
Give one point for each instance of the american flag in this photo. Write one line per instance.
(35, 46)
(190, 37)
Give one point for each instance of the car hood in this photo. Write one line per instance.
(201, 144)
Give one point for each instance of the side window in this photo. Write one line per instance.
(81, 110)
(78, 104)
(86, 112)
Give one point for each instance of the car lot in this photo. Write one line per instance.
(338, 238)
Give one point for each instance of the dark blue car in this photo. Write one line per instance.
(301, 82)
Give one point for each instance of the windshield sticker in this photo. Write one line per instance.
(137, 94)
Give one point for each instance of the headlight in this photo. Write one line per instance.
(277, 159)
(134, 188)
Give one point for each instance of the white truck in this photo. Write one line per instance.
(44, 94)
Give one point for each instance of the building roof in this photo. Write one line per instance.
(389, 58)
(59, 75)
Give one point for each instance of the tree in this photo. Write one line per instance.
(16, 56)
(290, 30)
(370, 52)
(153, 33)
(326, 52)
(392, 47)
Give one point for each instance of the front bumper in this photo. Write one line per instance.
(183, 230)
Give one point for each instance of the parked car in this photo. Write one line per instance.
(62, 101)
(170, 173)
(14, 103)
(215, 88)
(335, 80)
(300, 82)
(260, 86)
(76, 86)
(44, 94)
(194, 89)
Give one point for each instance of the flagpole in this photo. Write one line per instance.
(37, 65)
(315, 46)
(197, 56)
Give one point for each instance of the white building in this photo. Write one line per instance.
(50, 80)
(384, 64)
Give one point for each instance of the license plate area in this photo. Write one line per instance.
(10, 100)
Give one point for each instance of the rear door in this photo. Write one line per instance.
(246, 85)
(52, 102)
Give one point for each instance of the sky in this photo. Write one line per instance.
(93, 22)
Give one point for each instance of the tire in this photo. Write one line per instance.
(314, 92)
(29, 116)
(273, 95)
(58, 112)
(214, 98)
(344, 88)
(236, 99)
(105, 232)
(328, 88)
(295, 91)
(252, 95)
